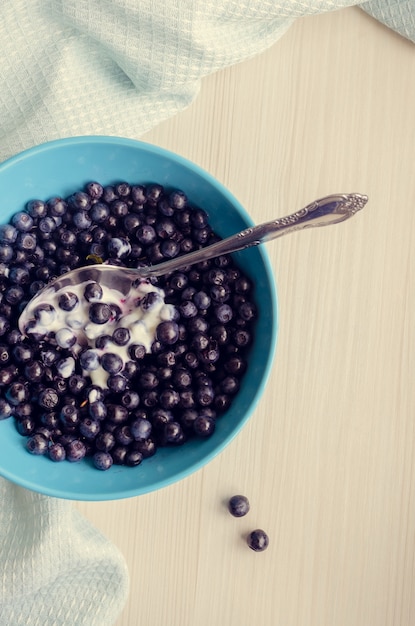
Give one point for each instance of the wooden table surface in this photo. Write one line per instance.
(327, 459)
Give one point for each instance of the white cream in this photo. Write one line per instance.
(142, 324)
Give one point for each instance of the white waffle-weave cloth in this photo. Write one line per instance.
(119, 67)
(56, 569)
(115, 67)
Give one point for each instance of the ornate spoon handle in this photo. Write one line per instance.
(328, 210)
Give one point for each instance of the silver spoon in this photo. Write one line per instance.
(328, 210)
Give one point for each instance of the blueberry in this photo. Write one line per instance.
(82, 220)
(23, 410)
(89, 360)
(34, 371)
(178, 281)
(117, 413)
(26, 242)
(26, 426)
(160, 417)
(80, 200)
(138, 194)
(235, 365)
(49, 356)
(121, 336)
(123, 435)
(22, 221)
(197, 324)
(186, 245)
(89, 428)
(99, 312)
(55, 207)
(148, 379)
(118, 248)
(178, 200)
(76, 384)
(50, 419)
(94, 190)
(97, 410)
(102, 460)
(17, 393)
(19, 274)
(141, 428)
(8, 234)
(99, 212)
(222, 402)
(5, 409)
(111, 363)
(229, 385)
(154, 193)
(118, 454)
(150, 300)
(241, 337)
(7, 375)
(103, 341)
(204, 426)
(136, 351)
(67, 238)
(75, 451)
(117, 383)
(66, 367)
(133, 458)
(14, 294)
(169, 398)
(108, 194)
(116, 312)
(167, 332)
(188, 309)
(187, 399)
(258, 540)
(37, 444)
(199, 218)
(4, 325)
(69, 416)
(130, 399)
(56, 452)
(146, 447)
(200, 341)
(247, 311)
(65, 338)
(146, 234)
(224, 313)
(238, 506)
(173, 433)
(131, 222)
(45, 314)
(22, 353)
(93, 291)
(6, 253)
(202, 300)
(105, 441)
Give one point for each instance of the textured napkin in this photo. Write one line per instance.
(119, 67)
(55, 568)
(115, 67)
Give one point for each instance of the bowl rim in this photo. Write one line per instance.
(273, 330)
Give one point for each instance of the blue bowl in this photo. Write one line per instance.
(63, 166)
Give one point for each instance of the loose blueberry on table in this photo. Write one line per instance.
(82, 382)
(238, 506)
(258, 540)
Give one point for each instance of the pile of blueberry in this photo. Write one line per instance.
(164, 397)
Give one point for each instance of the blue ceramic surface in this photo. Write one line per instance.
(63, 166)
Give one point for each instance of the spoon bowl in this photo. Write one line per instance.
(325, 211)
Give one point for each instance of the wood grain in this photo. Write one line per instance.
(328, 457)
